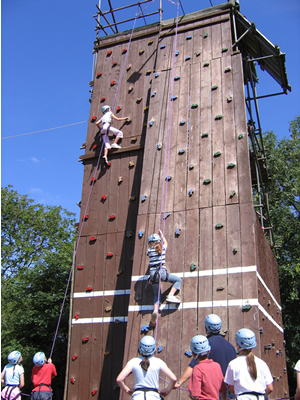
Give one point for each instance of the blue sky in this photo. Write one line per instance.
(46, 66)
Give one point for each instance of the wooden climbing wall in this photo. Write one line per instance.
(188, 175)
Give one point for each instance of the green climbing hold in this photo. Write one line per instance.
(224, 49)
(231, 165)
(217, 154)
(228, 69)
(195, 105)
(206, 64)
(193, 267)
(205, 134)
(240, 136)
(205, 35)
(206, 181)
(214, 87)
(219, 226)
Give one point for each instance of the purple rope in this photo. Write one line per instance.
(167, 157)
(180, 388)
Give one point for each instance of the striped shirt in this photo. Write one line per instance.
(154, 258)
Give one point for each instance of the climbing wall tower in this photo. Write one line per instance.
(184, 167)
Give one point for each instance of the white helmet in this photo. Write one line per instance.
(246, 339)
(105, 108)
(147, 346)
(39, 359)
(154, 238)
(213, 323)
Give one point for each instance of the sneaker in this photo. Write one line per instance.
(105, 159)
(153, 319)
(115, 146)
(173, 299)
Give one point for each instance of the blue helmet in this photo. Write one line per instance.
(105, 108)
(213, 323)
(154, 238)
(13, 357)
(245, 338)
(147, 346)
(200, 345)
(39, 359)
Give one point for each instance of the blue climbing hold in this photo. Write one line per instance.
(167, 215)
(188, 353)
(145, 328)
(144, 198)
(156, 75)
(141, 234)
(168, 178)
(153, 94)
(173, 98)
(176, 53)
(177, 232)
(159, 349)
(191, 192)
(162, 46)
(180, 152)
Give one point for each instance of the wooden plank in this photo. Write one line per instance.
(216, 41)
(197, 45)
(226, 32)
(188, 47)
(206, 43)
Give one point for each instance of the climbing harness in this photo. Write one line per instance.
(145, 390)
(44, 393)
(11, 392)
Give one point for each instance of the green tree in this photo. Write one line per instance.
(36, 252)
(283, 160)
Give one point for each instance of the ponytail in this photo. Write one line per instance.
(251, 365)
(145, 363)
(158, 248)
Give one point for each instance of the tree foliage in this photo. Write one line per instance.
(36, 253)
(283, 158)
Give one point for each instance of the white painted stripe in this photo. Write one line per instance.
(268, 290)
(270, 318)
(99, 320)
(102, 293)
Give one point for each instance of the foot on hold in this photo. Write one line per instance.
(105, 159)
(115, 146)
(171, 298)
(153, 319)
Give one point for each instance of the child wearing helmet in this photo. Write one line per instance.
(247, 376)
(41, 376)
(145, 370)
(12, 377)
(157, 255)
(106, 121)
(207, 380)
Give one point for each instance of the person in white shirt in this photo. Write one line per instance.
(106, 121)
(12, 377)
(145, 370)
(247, 376)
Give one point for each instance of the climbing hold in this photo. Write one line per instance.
(198, 54)
(240, 136)
(146, 108)
(107, 309)
(189, 37)
(88, 289)
(206, 181)
(114, 64)
(129, 234)
(224, 49)
(218, 117)
(191, 166)
(80, 267)
(145, 328)
(220, 288)
(177, 232)
(94, 392)
(107, 353)
(181, 123)
(112, 217)
(144, 198)
(191, 192)
(76, 316)
(112, 83)
(151, 123)
(130, 89)
(214, 87)
(229, 99)
(92, 239)
(162, 46)
(176, 78)
(188, 353)
(134, 139)
(141, 52)
(228, 69)
(148, 72)
(206, 64)
(118, 109)
(234, 251)
(187, 58)
(217, 154)
(176, 53)
(205, 35)
(219, 226)
(159, 349)
(108, 53)
(74, 357)
(231, 165)
(195, 105)
(98, 75)
(132, 198)
(138, 100)
(120, 272)
(85, 217)
(102, 99)
(73, 380)
(232, 194)
(128, 67)
(150, 42)
(167, 215)
(180, 152)
(168, 178)
(205, 134)
(94, 118)
(131, 164)
(95, 146)
(141, 234)
(173, 98)
(103, 197)
(159, 146)
(153, 93)
(193, 267)
(261, 330)
(246, 308)
(93, 179)
(108, 255)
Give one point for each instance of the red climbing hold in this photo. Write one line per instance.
(103, 197)
(119, 108)
(93, 118)
(112, 83)
(111, 217)
(85, 217)
(74, 357)
(95, 146)
(109, 254)
(99, 74)
(73, 380)
(85, 339)
(93, 179)
(109, 53)
(124, 51)
(114, 64)
(76, 316)
(108, 164)
(94, 392)
(89, 289)
(79, 266)
(92, 238)
(102, 99)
